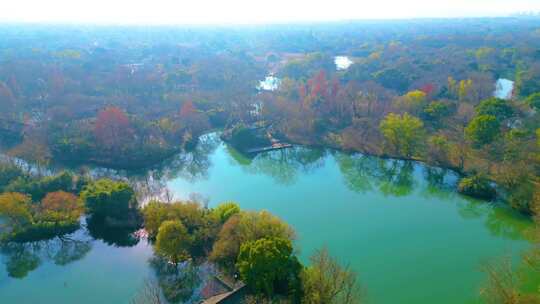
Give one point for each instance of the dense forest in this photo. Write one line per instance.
(132, 97)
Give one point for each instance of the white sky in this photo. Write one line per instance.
(248, 11)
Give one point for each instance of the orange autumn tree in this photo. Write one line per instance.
(113, 129)
(61, 206)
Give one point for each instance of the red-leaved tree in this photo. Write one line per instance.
(112, 129)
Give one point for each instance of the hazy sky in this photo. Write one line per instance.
(249, 11)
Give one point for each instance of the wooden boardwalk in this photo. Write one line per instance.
(275, 146)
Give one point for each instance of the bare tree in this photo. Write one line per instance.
(149, 294)
(328, 282)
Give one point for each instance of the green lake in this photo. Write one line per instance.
(400, 225)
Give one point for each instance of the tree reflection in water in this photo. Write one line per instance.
(192, 166)
(282, 165)
(182, 283)
(99, 229)
(22, 258)
(441, 183)
(364, 173)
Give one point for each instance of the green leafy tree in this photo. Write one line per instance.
(8, 173)
(414, 100)
(404, 133)
(266, 263)
(245, 227)
(482, 129)
(39, 187)
(392, 79)
(191, 214)
(477, 186)
(173, 241)
(200, 223)
(435, 111)
(224, 211)
(155, 213)
(534, 101)
(496, 107)
(438, 150)
(108, 198)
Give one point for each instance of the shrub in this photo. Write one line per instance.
(109, 198)
(476, 186)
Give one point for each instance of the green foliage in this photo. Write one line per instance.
(476, 186)
(392, 78)
(191, 214)
(484, 52)
(310, 64)
(533, 101)
(528, 81)
(266, 264)
(109, 198)
(435, 111)
(30, 222)
(8, 173)
(202, 225)
(524, 195)
(496, 107)
(438, 149)
(37, 188)
(244, 138)
(404, 133)
(415, 99)
(245, 227)
(483, 129)
(173, 241)
(225, 210)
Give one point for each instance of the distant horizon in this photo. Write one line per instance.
(243, 12)
(276, 23)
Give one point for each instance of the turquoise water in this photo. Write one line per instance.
(400, 225)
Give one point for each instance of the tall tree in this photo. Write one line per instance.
(327, 282)
(173, 241)
(266, 263)
(482, 129)
(113, 129)
(404, 133)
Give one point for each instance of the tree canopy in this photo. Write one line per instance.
(173, 241)
(106, 197)
(483, 129)
(404, 133)
(266, 263)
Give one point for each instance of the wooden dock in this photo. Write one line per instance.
(275, 146)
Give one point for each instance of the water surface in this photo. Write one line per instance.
(399, 224)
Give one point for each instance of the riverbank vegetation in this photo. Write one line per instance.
(422, 91)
